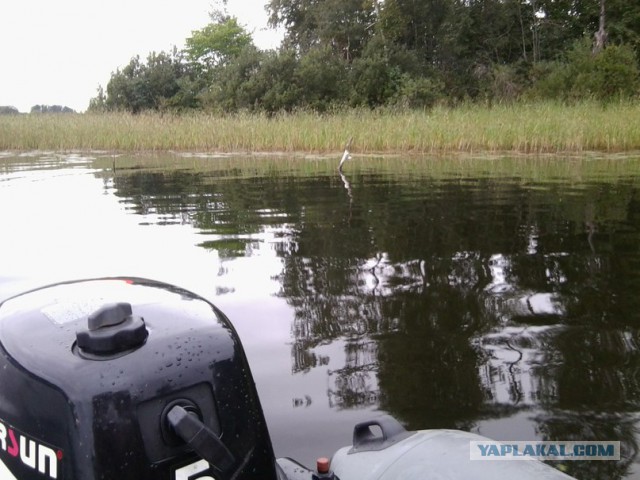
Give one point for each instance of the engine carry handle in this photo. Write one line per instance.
(366, 439)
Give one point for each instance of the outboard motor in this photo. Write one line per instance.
(131, 379)
(126, 379)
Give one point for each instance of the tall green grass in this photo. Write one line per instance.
(521, 128)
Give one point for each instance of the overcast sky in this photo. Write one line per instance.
(57, 52)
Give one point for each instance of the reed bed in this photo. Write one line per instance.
(518, 128)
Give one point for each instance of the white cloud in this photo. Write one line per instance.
(58, 52)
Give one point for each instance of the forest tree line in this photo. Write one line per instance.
(405, 53)
(11, 110)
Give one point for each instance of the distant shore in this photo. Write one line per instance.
(537, 128)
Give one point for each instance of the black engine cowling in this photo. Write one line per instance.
(128, 379)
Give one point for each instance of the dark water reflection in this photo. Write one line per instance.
(500, 297)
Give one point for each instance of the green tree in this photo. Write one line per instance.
(609, 75)
(98, 104)
(322, 79)
(126, 90)
(256, 81)
(276, 79)
(160, 83)
(493, 32)
(371, 81)
(8, 110)
(562, 22)
(51, 109)
(223, 57)
(419, 26)
(217, 44)
(342, 25)
(235, 87)
(623, 24)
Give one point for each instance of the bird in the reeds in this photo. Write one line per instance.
(346, 155)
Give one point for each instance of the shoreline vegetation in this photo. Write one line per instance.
(518, 128)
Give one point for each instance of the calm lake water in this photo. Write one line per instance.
(500, 296)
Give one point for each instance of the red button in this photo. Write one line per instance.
(322, 465)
